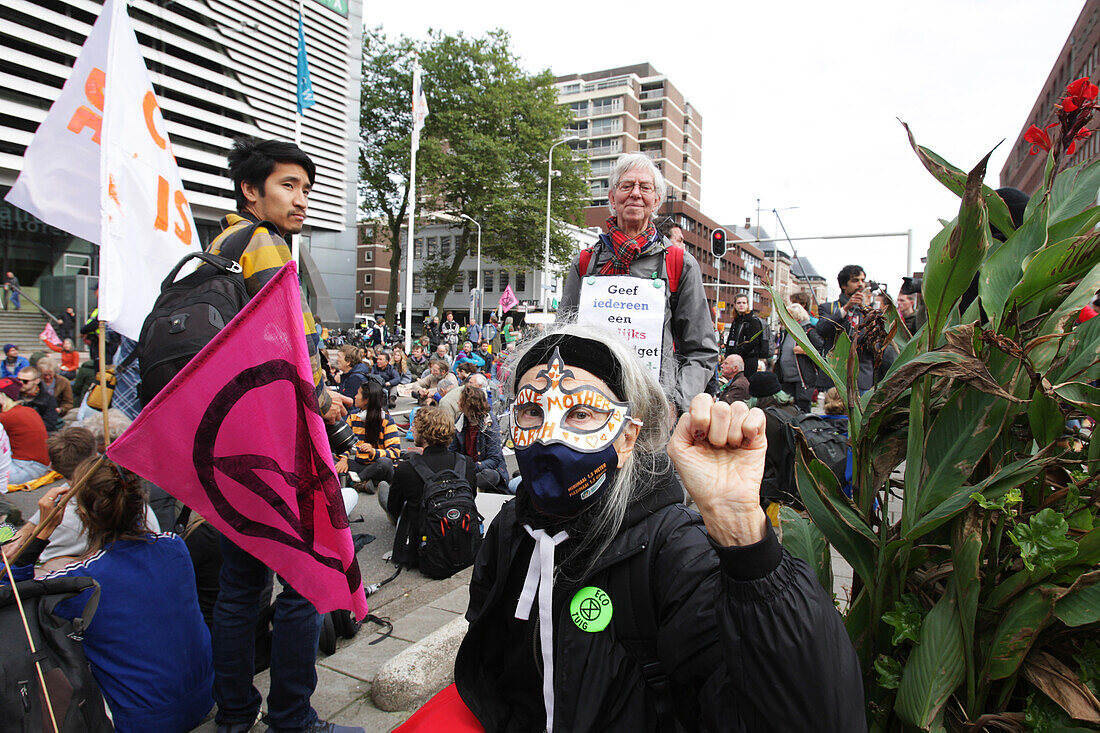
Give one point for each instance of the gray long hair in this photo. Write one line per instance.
(640, 475)
(632, 161)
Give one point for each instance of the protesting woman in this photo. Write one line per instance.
(351, 371)
(371, 459)
(147, 643)
(477, 436)
(600, 603)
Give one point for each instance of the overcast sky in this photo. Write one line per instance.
(800, 99)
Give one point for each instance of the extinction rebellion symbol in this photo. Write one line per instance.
(591, 609)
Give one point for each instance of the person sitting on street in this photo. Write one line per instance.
(70, 357)
(27, 434)
(32, 395)
(736, 388)
(53, 383)
(418, 362)
(432, 433)
(12, 362)
(371, 460)
(351, 371)
(148, 647)
(449, 394)
(384, 373)
(478, 436)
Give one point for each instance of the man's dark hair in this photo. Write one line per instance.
(68, 448)
(847, 273)
(251, 161)
(667, 226)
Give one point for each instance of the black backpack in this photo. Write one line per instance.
(450, 525)
(74, 695)
(826, 438)
(188, 314)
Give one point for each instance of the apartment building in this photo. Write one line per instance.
(220, 68)
(632, 109)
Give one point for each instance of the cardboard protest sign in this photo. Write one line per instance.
(101, 167)
(237, 436)
(633, 307)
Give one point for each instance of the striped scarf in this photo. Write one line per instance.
(623, 248)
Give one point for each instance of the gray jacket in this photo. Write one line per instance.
(690, 345)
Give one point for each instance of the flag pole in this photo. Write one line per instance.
(104, 401)
(413, 145)
(296, 239)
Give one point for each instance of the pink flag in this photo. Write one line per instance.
(49, 335)
(238, 438)
(508, 300)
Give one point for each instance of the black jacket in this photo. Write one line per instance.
(745, 337)
(747, 636)
(407, 492)
(830, 322)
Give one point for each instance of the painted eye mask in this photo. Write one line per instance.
(583, 418)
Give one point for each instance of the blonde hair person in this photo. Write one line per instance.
(598, 549)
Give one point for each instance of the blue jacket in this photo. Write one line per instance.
(351, 381)
(489, 454)
(21, 362)
(147, 643)
(389, 375)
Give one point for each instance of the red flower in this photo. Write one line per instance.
(1083, 134)
(1077, 93)
(1038, 138)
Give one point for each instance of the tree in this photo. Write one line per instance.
(482, 152)
(385, 124)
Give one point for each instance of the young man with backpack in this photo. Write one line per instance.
(633, 247)
(432, 501)
(272, 180)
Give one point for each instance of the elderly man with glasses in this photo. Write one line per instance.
(633, 247)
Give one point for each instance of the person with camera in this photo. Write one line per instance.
(847, 313)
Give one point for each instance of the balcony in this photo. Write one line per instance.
(653, 94)
(651, 114)
(651, 134)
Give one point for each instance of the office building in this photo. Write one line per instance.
(220, 68)
(631, 109)
(1080, 57)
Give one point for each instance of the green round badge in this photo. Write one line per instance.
(591, 609)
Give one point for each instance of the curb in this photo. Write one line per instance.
(409, 679)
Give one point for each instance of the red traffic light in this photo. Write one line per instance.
(718, 242)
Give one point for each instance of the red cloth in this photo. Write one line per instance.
(27, 434)
(1086, 313)
(470, 435)
(444, 712)
(623, 248)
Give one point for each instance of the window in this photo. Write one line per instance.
(416, 282)
(368, 278)
(368, 255)
(503, 280)
(487, 280)
(433, 247)
(607, 125)
(606, 105)
(580, 109)
(366, 302)
(445, 246)
(418, 248)
(458, 283)
(473, 279)
(521, 281)
(601, 167)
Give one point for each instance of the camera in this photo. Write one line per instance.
(875, 287)
(341, 438)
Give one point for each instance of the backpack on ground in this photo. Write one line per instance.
(189, 313)
(826, 438)
(73, 693)
(450, 526)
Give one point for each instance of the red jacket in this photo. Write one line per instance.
(27, 434)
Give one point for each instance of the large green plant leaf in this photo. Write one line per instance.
(955, 180)
(1001, 272)
(1084, 396)
(966, 556)
(1055, 264)
(1074, 189)
(1088, 555)
(936, 667)
(953, 259)
(805, 541)
(1045, 418)
(1083, 350)
(1081, 603)
(1074, 226)
(836, 519)
(1018, 630)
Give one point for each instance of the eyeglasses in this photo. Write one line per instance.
(628, 186)
(26, 381)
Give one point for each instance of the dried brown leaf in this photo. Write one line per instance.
(1060, 684)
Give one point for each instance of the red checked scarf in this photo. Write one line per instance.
(623, 248)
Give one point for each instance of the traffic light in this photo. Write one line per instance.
(718, 243)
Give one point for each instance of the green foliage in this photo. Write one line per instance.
(1043, 542)
(979, 602)
(482, 150)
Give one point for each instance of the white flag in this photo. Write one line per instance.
(419, 107)
(100, 166)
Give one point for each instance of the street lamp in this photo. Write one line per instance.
(478, 287)
(546, 253)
